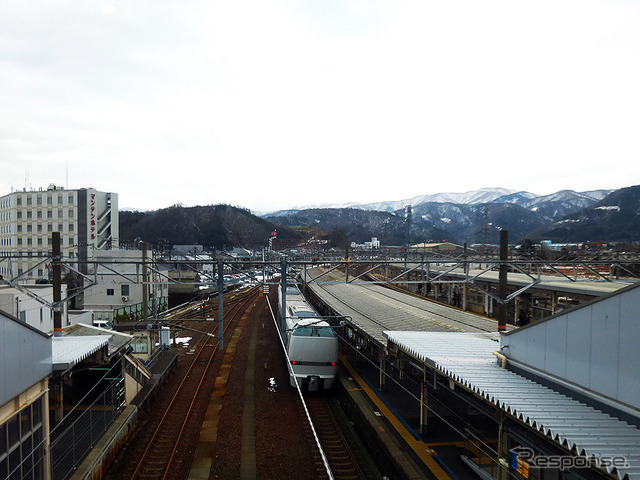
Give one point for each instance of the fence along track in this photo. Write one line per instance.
(155, 462)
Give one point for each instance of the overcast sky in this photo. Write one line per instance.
(274, 104)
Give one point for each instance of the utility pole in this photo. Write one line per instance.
(283, 288)
(154, 283)
(57, 285)
(220, 304)
(407, 226)
(502, 280)
(346, 263)
(145, 284)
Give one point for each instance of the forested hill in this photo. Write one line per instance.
(361, 225)
(214, 226)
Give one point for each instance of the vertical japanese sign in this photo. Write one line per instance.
(92, 218)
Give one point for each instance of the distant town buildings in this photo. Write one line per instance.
(374, 244)
(118, 289)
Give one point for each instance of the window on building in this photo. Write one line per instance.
(28, 200)
(20, 452)
(29, 214)
(19, 201)
(110, 292)
(49, 213)
(124, 290)
(39, 201)
(49, 200)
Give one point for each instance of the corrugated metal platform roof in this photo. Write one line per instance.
(586, 431)
(374, 308)
(117, 340)
(68, 351)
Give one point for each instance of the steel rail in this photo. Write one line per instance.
(179, 390)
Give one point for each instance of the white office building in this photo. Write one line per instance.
(86, 219)
(117, 290)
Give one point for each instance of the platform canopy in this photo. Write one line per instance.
(468, 359)
(67, 351)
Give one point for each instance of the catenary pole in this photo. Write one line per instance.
(57, 285)
(502, 280)
(220, 304)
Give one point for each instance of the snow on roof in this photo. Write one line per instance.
(68, 351)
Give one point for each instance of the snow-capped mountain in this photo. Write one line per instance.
(616, 217)
(484, 195)
(549, 206)
(475, 216)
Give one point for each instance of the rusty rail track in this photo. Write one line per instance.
(163, 446)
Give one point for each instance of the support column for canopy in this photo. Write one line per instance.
(423, 403)
(382, 369)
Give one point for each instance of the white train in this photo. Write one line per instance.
(311, 343)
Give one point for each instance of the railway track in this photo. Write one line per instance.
(163, 445)
(345, 453)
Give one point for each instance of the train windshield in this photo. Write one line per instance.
(313, 331)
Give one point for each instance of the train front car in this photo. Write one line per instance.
(313, 352)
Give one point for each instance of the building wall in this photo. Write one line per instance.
(595, 346)
(24, 435)
(28, 219)
(119, 285)
(25, 357)
(29, 310)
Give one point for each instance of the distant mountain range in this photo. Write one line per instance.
(477, 216)
(555, 204)
(614, 218)
(471, 217)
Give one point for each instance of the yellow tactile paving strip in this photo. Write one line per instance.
(422, 449)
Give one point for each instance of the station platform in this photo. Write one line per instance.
(160, 370)
(105, 450)
(385, 417)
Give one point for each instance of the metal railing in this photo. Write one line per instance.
(69, 448)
